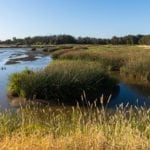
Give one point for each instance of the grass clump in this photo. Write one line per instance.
(14, 87)
(75, 128)
(62, 80)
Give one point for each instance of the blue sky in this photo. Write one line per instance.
(95, 18)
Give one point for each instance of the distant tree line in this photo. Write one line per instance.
(68, 39)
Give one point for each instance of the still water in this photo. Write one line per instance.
(17, 59)
(38, 61)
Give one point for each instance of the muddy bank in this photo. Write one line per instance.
(13, 46)
(28, 55)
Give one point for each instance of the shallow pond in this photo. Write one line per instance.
(21, 59)
(17, 59)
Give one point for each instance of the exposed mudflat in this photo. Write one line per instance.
(17, 55)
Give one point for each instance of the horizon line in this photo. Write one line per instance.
(96, 37)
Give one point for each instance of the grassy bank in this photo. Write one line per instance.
(75, 128)
(131, 60)
(62, 80)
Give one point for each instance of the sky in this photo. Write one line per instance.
(94, 18)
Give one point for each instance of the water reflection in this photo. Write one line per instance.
(97, 96)
(133, 91)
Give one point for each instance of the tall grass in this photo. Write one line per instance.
(75, 128)
(133, 60)
(62, 80)
(108, 61)
(138, 65)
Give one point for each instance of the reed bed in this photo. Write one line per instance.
(62, 81)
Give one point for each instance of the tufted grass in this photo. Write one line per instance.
(75, 128)
(62, 80)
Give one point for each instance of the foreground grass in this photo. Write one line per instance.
(132, 60)
(75, 128)
(62, 80)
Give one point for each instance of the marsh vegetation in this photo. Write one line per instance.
(81, 68)
(83, 76)
(63, 81)
(131, 60)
